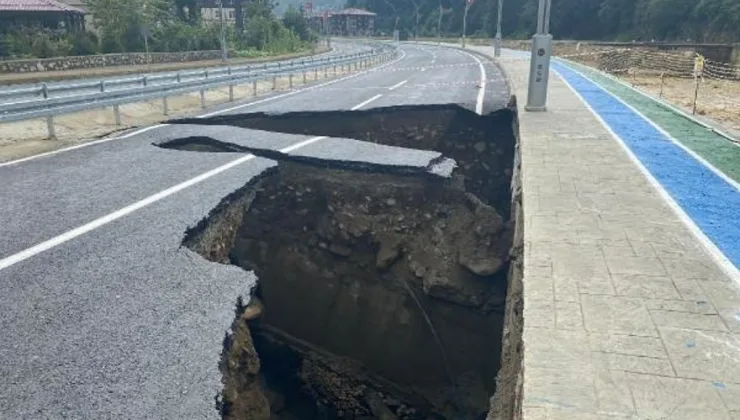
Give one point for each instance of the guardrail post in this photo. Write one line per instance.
(274, 82)
(326, 72)
(304, 77)
(50, 127)
(231, 85)
(254, 88)
(49, 118)
(102, 85)
(117, 114)
(165, 107)
(144, 80)
(316, 73)
(203, 94)
(290, 81)
(179, 77)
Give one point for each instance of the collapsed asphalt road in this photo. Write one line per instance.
(105, 315)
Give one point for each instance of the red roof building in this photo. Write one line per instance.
(347, 22)
(46, 13)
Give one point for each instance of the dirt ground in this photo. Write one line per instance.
(26, 138)
(718, 100)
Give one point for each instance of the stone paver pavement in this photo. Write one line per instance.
(625, 313)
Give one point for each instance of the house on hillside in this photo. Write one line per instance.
(348, 22)
(50, 14)
(80, 4)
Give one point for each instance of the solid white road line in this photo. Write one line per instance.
(151, 127)
(482, 89)
(358, 106)
(668, 135)
(398, 85)
(81, 145)
(102, 221)
(69, 235)
(719, 257)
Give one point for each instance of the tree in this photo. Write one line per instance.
(698, 20)
(294, 20)
(123, 23)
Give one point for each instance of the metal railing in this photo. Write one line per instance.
(49, 101)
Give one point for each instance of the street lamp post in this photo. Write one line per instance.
(224, 55)
(439, 24)
(539, 71)
(497, 41)
(465, 21)
(417, 15)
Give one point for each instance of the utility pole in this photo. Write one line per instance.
(417, 14)
(224, 54)
(539, 71)
(439, 24)
(497, 41)
(465, 21)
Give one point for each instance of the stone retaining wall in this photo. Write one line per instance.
(103, 60)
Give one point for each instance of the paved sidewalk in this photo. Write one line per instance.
(626, 315)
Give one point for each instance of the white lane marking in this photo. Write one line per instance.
(151, 127)
(69, 235)
(358, 106)
(693, 154)
(403, 55)
(81, 145)
(74, 233)
(398, 85)
(482, 89)
(719, 257)
(102, 221)
(423, 69)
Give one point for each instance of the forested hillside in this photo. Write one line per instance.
(695, 20)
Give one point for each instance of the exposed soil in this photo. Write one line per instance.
(382, 289)
(482, 147)
(718, 100)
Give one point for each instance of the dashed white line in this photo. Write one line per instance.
(398, 85)
(222, 111)
(358, 106)
(111, 217)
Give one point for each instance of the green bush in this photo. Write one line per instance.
(263, 35)
(23, 42)
(84, 43)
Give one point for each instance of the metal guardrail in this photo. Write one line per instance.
(101, 94)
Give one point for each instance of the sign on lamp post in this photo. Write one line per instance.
(497, 40)
(539, 71)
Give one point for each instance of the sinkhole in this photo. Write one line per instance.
(382, 289)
